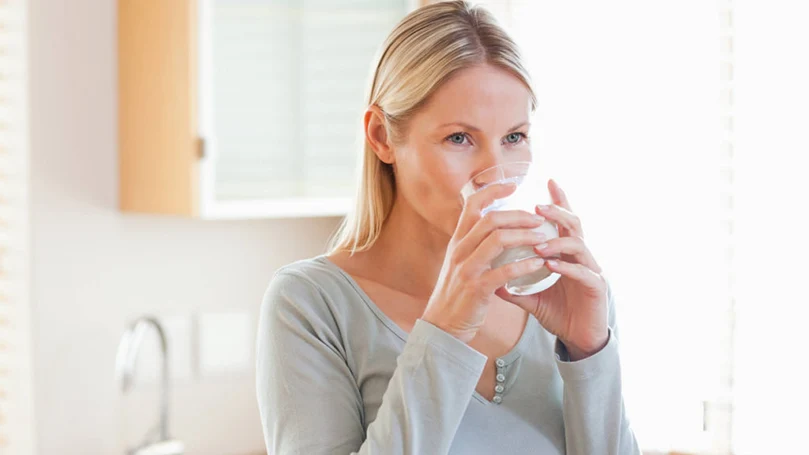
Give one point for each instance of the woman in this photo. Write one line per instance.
(402, 339)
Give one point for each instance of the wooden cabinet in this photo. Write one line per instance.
(244, 108)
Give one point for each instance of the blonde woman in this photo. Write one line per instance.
(402, 340)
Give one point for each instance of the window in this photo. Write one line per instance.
(629, 123)
(288, 83)
(679, 130)
(771, 161)
(16, 407)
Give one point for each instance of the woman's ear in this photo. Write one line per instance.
(376, 133)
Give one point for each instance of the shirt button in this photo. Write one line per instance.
(497, 399)
(500, 378)
(498, 388)
(500, 363)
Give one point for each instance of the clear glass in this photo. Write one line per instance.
(530, 191)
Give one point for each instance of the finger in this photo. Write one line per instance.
(474, 205)
(573, 247)
(491, 222)
(496, 278)
(497, 242)
(566, 219)
(578, 273)
(558, 195)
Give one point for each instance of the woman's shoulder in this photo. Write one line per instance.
(312, 287)
(313, 275)
(304, 305)
(317, 270)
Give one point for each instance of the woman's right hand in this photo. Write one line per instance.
(467, 283)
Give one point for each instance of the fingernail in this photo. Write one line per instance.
(542, 246)
(539, 218)
(544, 207)
(552, 263)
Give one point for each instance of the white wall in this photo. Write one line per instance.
(93, 269)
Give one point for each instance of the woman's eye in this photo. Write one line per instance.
(514, 138)
(457, 138)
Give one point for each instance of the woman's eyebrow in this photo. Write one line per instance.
(476, 129)
(520, 126)
(461, 124)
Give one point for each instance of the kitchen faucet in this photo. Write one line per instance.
(125, 371)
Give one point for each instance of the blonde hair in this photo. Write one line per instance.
(424, 50)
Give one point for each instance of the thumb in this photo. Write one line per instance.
(528, 303)
(557, 195)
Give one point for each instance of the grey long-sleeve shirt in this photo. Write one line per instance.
(336, 376)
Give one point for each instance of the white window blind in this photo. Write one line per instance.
(16, 408)
(630, 124)
(289, 84)
(771, 163)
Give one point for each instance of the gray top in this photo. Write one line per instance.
(336, 376)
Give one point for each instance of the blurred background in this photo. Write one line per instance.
(164, 157)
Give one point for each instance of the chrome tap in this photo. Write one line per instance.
(125, 371)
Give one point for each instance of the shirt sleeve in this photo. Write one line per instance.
(310, 402)
(593, 406)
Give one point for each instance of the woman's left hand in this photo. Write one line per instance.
(574, 308)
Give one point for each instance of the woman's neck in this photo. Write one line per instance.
(408, 254)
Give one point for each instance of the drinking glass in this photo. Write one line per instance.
(530, 192)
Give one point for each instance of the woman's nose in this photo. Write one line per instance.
(491, 156)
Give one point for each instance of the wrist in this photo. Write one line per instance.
(465, 336)
(580, 351)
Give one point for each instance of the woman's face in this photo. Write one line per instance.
(477, 119)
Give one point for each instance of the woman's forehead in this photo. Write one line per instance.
(480, 96)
